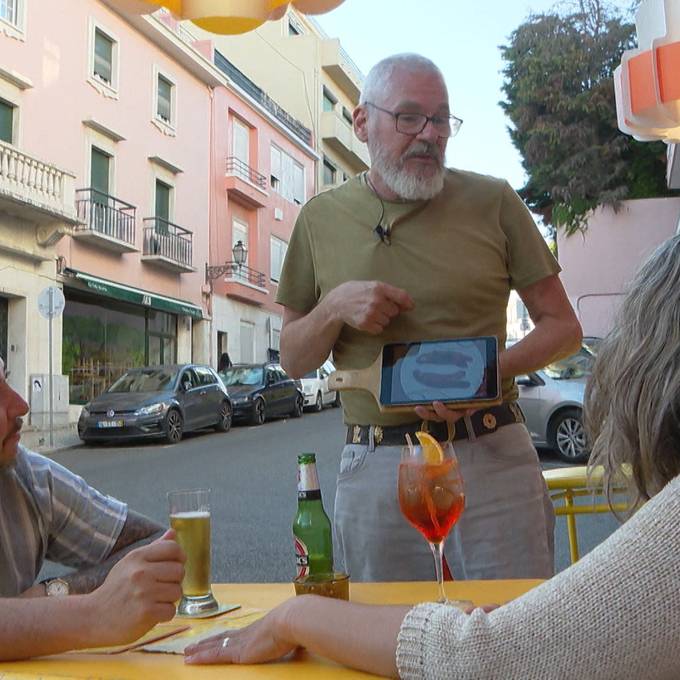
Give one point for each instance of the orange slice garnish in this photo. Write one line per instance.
(432, 450)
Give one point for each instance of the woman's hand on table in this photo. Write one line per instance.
(264, 640)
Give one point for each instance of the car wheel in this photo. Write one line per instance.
(258, 416)
(336, 401)
(224, 422)
(173, 426)
(318, 404)
(567, 436)
(299, 405)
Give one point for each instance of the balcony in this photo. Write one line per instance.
(105, 221)
(245, 184)
(338, 134)
(33, 190)
(337, 63)
(241, 282)
(167, 245)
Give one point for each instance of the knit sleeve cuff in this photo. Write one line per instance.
(410, 642)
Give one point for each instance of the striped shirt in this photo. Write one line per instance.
(47, 512)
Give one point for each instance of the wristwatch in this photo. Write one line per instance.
(56, 587)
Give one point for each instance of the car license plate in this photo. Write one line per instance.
(110, 423)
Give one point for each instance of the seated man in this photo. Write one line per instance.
(47, 512)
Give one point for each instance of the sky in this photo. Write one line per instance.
(463, 39)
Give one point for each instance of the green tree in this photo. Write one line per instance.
(559, 96)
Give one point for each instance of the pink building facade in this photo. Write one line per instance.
(142, 185)
(599, 265)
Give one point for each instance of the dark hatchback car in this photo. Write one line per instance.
(259, 391)
(158, 402)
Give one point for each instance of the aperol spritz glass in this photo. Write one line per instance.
(431, 496)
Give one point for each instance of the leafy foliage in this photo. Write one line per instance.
(559, 96)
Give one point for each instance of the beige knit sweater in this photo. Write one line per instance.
(614, 615)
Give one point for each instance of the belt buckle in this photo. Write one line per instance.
(489, 421)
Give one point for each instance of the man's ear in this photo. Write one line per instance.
(360, 118)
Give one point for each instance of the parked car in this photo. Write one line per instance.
(259, 391)
(315, 388)
(158, 401)
(552, 401)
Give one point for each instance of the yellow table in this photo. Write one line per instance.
(146, 666)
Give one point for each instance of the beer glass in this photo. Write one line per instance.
(190, 518)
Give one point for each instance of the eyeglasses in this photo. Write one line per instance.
(414, 123)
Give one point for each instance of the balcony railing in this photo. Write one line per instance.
(164, 239)
(235, 166)
(246, 274)
(106, 215)
(40, 186)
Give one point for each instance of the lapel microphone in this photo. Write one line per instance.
(383, 233)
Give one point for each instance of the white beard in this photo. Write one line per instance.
(408, 185)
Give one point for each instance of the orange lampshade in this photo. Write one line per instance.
(228, 16)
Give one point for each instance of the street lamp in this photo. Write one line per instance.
(239, 253)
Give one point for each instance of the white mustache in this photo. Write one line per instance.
(423, 149)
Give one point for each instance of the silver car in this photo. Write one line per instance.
(552, 401)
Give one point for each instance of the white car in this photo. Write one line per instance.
(315, 388)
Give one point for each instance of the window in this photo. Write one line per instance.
(9, 11)
(205, 375)
(103, 57)
(275, 171)
(298, 184)
(278, 250)
(163, 192)
(347, 115)
(164, 100)
(329, 172)
(287, 176)
(329, 100)
(239, 232)
(100, 172)
(6, 121)
(240, 141)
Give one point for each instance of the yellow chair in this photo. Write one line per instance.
(571, 482)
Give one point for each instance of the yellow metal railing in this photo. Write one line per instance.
(567, 484)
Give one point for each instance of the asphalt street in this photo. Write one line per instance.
(252, 474)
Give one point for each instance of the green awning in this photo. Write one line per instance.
(137, 296)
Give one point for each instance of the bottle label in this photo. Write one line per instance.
(313, 495)
(307, 479)
(301, 558)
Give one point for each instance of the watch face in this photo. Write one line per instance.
(57, 587)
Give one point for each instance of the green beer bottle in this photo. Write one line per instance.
(311, 528)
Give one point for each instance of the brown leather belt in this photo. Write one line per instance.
(484, 421)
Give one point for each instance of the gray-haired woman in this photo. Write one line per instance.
(613, 615)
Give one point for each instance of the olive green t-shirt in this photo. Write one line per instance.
(457, 255)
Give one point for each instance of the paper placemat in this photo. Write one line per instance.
(201, 630)
(160, 631)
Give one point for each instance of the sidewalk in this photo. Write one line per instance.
(39, 440)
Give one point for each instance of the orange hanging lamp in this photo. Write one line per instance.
(228, 16)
